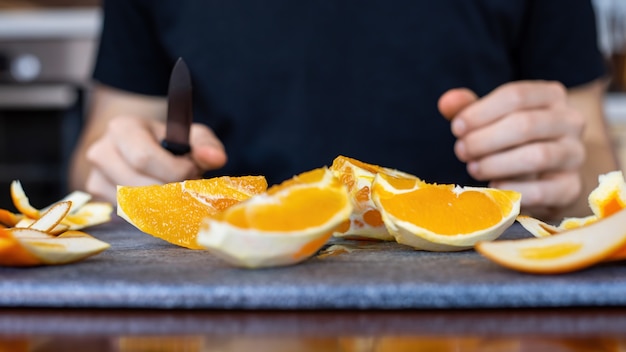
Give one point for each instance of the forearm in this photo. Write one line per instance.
(107, 104)
(600, 154)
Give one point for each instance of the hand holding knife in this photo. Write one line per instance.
(179, 110)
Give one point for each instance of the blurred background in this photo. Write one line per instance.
(46, 53)
(47, 49)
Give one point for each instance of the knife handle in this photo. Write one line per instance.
(176, 148)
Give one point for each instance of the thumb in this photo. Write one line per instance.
(454, 100)
(207, 151)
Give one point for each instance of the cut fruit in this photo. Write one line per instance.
(365, 221)
(30, 247)
(610, 195)
(568, 251)
(284, 226)
(173, 212)
(443, 217)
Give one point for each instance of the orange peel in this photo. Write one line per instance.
(569, 251)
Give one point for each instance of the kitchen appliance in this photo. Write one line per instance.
(46, 54)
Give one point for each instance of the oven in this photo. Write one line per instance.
(46, 53)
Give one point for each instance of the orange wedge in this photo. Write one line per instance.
(365, 221)
(443, 217)
(173, 212)
(284, 226)
(568, 251)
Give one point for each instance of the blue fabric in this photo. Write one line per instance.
(289, 85)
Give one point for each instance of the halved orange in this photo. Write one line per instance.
(365, 221)
(284, 226)
(443, 217)
(173, 212)
(568, 251)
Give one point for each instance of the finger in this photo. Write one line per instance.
(137, 141)
(516, 129)
(507, 99)
(455, 100)
(100, 187)
(111, 165)
(532, 158)
(206, 149)
(554, 189)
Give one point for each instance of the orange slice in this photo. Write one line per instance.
(284, 226)
(568, 251)
(443, 217)
(365, 221)
(173, 212)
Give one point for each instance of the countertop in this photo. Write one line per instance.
(140, 271)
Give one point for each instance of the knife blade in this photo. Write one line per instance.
(179, 110)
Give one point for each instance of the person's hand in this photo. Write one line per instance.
(522, 136)
(129, 153)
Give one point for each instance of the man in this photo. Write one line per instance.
(282, 87)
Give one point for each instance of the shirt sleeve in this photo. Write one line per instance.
(561, 43)
(130, 56)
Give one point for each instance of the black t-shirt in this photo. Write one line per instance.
(289, 85)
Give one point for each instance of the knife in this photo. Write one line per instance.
(179, 110)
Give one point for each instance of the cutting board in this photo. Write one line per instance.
(140, 271)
